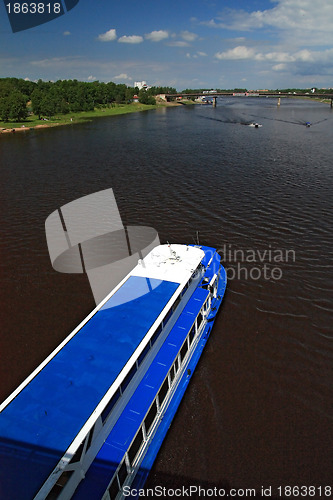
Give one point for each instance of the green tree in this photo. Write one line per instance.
(4, 109)
(36, 100)
(17, 106)
(48, 106)
(145, 98)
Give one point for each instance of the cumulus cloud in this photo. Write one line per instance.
(280, 67)
(196, 54)
(157, 36)
(179, 43)
(122, 76)
(188, 36)
(130, 39)
(92, 78)
(109, 36)
(296, 21)
(304, 62)
(66, 33)
(240, 52)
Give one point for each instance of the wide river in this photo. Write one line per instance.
(258, 410)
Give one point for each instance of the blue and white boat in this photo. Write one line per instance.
(89, 421)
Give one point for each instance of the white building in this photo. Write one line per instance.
(141, 85)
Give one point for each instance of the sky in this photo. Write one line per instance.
(253, 44)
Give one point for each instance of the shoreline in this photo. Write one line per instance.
(82, 117)
(88, 116)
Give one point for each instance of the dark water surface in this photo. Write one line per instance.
(258, 410)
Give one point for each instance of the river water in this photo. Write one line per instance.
(258, 410)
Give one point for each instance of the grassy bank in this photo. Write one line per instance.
(72, 118)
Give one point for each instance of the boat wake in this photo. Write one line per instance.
(298, 122)
(235, 121)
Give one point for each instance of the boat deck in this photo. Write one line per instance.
(112, 452)
(40, 423)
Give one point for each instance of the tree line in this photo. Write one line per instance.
(18, 97)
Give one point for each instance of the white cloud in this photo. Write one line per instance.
(67, 33)
(122, 76)
(196, 55)
(157, 36)
(240, 52)
(296, 21)
(55, 62)
(91, 78)
(280, 67)
(179, 43)
(281, 57)
(308, 56)
(109, 36)
(130, 39)
(302, 63)
(188, 36)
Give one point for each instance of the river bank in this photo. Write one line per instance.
(34, 122)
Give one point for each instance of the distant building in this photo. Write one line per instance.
(141, 85)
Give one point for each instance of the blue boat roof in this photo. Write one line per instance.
(109, 457)
(39, 424)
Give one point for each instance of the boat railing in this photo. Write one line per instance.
(149, 424)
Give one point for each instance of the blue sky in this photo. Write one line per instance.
(254, 44)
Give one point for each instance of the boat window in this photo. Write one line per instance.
(163, 391)
(109, 407)
(113, 489)
(90, 438)
(156, 334)
(176, 303)
(192, 334)
(143, 354)
(199, 320)
(135, 446)
(150, 417)
(128, 378)
(194, 275)
(205, 283)
(167, 317)
(122, 473)
(183, 350)
(185, 288)
(172, 374)
(60, 484)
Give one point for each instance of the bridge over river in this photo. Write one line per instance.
(214, 95)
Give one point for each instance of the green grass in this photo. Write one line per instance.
(81, 117)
